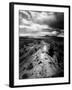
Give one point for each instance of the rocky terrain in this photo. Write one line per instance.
(41, 58)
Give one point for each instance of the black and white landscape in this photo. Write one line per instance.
(41, 44)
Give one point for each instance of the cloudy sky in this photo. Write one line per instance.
(39, 23)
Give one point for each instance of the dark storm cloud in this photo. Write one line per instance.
(59, 23)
